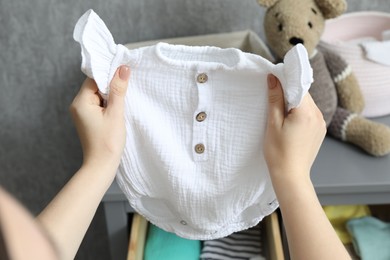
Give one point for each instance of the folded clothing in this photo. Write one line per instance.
(371, 238)
(377, 51)
(338, 216)
(243, 245)
(164, 245)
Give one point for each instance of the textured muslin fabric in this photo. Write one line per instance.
(193, 161)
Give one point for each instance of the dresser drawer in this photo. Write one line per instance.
(271, 239)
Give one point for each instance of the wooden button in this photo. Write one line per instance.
(199, 148)
(202, 78)
(201, 116)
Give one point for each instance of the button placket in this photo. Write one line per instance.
(201, 116)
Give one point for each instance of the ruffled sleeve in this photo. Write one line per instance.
(100, 55)
(295, 75)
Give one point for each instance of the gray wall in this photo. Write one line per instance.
(40, 75)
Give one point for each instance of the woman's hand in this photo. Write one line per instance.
(102, 135)
(101, 129)
(292, 140)
(291, 145)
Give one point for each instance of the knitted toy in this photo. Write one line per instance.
(335, 89)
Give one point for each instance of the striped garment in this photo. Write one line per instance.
(243, 245)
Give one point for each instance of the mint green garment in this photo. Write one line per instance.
(160, 244)
(370, 237)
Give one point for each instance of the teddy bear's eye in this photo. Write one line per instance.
(280, 27)
(314, 11)
(310, 25)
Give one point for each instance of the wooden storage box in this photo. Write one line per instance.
(247, 41)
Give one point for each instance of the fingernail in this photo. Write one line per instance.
(271, 81)
(124, 72)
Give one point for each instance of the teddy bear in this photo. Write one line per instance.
(335, 89)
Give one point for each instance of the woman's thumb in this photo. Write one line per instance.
(118, 88)
(275, 101)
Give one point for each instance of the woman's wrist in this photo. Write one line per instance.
(106, 167)
(290, 180)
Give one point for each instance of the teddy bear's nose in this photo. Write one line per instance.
(295, 40)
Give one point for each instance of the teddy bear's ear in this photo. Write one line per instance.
(331, 8)
(267, 3)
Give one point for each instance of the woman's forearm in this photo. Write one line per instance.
(70, 213)
(102, 135)
(309, 233)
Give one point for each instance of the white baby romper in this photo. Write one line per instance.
(193, 162)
